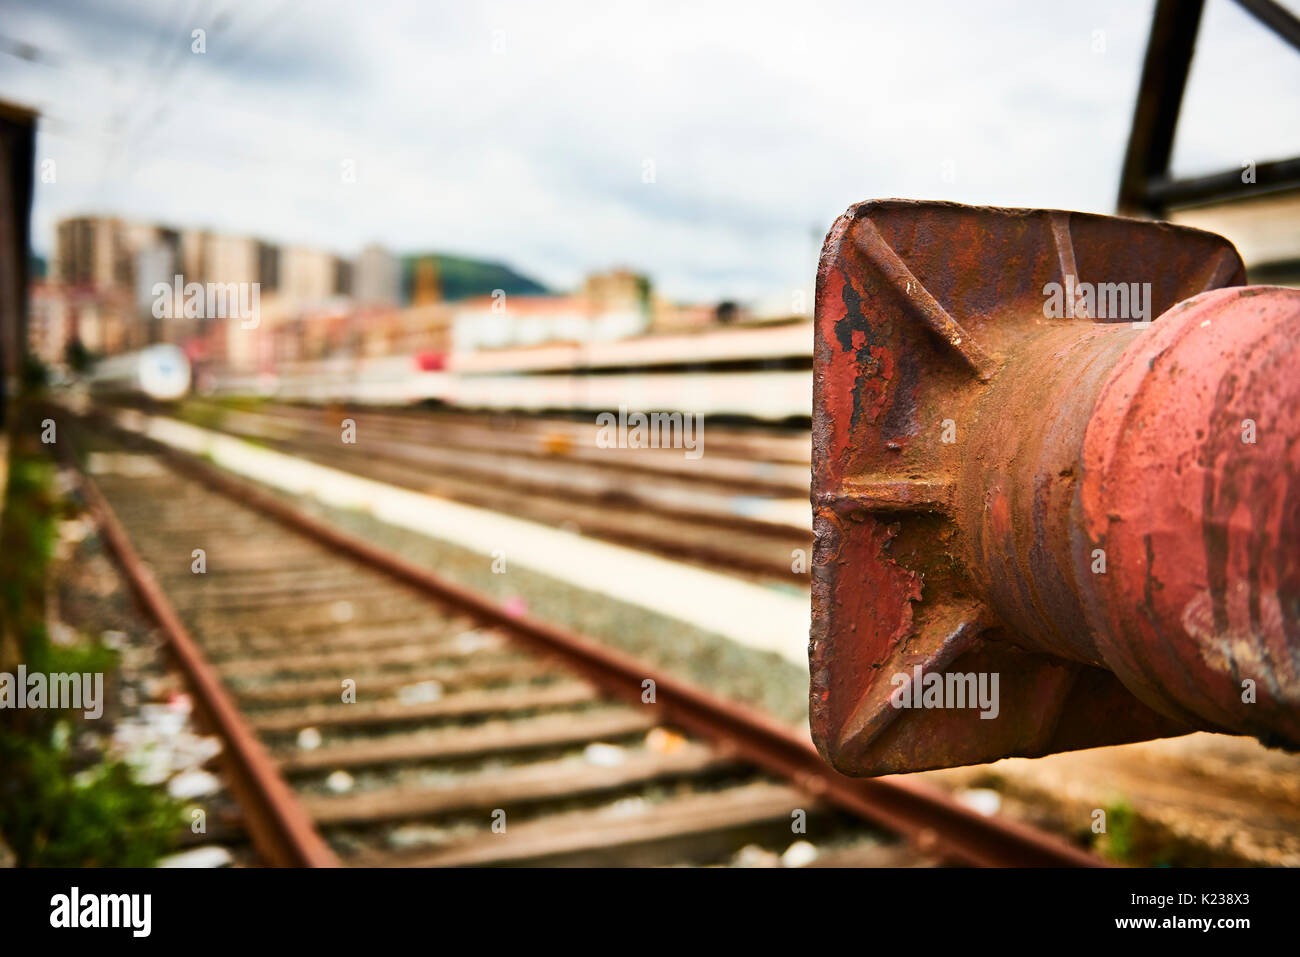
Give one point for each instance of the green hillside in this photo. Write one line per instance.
(461, 278)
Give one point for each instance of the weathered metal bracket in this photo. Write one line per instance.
(956, 426)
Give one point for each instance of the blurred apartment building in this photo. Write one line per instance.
(103, 285)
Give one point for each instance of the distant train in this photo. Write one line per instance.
(755, 372)
(158, 372)
(762, 372)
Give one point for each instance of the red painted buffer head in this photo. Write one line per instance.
(1054, 487)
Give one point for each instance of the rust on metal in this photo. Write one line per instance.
(1053, 495)
(913, 811)
(1201, 517)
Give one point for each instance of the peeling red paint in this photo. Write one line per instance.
(1202, 528)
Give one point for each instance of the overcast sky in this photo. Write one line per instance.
(522, 132)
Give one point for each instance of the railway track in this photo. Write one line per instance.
(716, 511)
(374, 714)
(734, 451)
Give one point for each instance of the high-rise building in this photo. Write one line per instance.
(91, 251)
(307, 276)
(377, 279)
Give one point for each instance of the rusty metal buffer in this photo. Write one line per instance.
(1044, 521)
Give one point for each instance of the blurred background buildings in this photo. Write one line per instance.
(98, 292)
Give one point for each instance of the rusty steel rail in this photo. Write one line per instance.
(280, 828)
(400, 463)
(935, 823)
